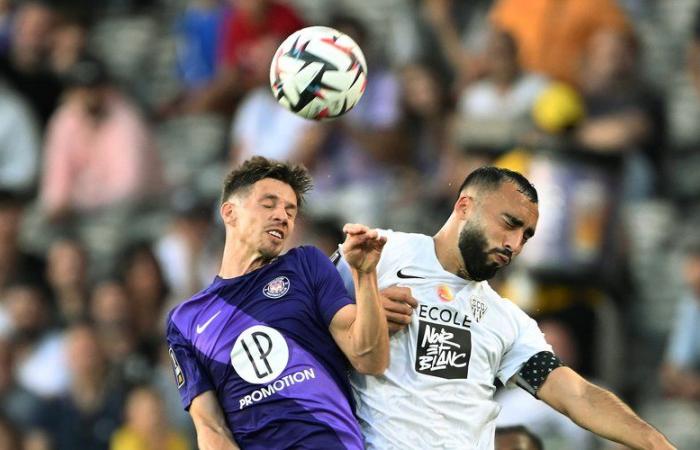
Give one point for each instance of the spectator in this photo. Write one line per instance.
(112, 311)
(68, 44)
(249, 38)
(24, 65)
(425, 109)
(262, 127)
(66, 272)
(37, 344)
(624, 116)
(494, 113)
(198, 31)
(10, 435)
(184, 251)
(146, 426)
(19, 143)
(517, 438)
(91, 411)
(681, 369)
(15, 263)
(458, 41)
(148, 292)
(98, 148)
(17, 404)
(5, 24)
(552, 34)
(100, 166)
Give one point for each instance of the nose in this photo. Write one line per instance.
(279, 214)
(514, 242)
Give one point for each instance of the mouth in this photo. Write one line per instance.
(503, 259)
(275, 233)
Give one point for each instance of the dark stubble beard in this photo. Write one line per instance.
(473, 247)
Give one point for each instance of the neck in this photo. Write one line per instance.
(447, 254)
(239, 260)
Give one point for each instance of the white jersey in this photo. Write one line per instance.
(438, 390)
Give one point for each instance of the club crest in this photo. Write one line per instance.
(277, 287)
(478, 309)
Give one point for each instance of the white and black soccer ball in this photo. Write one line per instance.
(318, 73)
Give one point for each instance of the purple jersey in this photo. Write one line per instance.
(261, 343)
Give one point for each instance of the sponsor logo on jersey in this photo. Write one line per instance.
(444, 343)
(200, 328)
(443, 351)
(277, 287)
(276, 386)
(177, 370)
(260, 354)
(445, 293)
(403, 275)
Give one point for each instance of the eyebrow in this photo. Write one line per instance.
(529, 232)
(276, 198)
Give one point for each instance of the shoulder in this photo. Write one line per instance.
(183, 317)
(508, 310)
(308, 253)
(309, 260)
(399, 243)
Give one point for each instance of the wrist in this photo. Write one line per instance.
(653, 440)
(362, 273)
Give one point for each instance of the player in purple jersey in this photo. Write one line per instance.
(261, 355)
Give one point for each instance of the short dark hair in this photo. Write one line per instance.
(520, 429)
(258, 168)
(491, 178)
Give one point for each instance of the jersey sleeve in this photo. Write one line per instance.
(191, 378)
(528, 342)
(328, 286)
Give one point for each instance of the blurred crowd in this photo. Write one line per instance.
(119, 119)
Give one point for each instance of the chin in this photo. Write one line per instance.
(271, 252)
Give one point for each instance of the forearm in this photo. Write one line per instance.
(370, 334)
(605, 414)
(215, 438)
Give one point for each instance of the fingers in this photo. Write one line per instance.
(357, 229)
(396, 307)
(400, 294)
(398, 313)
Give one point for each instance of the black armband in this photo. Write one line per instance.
(533, 373)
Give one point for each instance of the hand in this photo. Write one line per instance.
(398, 306)
(362, 247)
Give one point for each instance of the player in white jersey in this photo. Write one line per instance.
(447, 352)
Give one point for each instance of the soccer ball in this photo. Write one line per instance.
(318, 73)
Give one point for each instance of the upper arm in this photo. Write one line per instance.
(561, 387)
(329, 293)
(527, 344)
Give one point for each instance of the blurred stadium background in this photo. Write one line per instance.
(119, 118)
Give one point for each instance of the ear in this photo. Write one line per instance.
(463, 207)
(228, 213)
